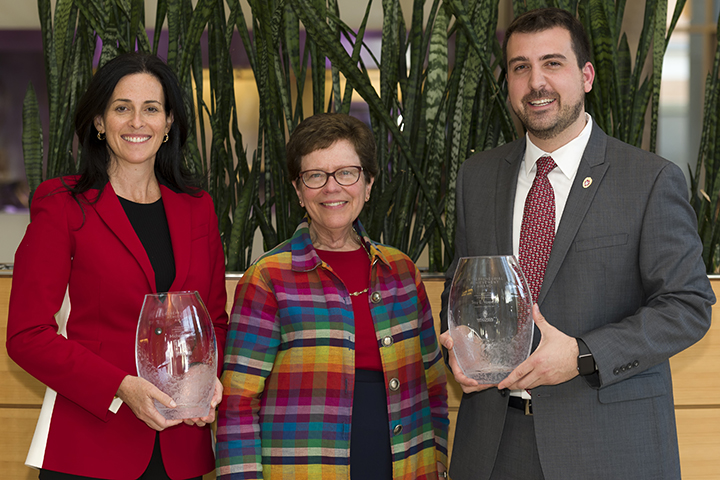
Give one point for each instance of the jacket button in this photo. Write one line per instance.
(387, 341)
(629, 366)
(394, 384)
(376, 297)
(397, 429)
(616, 371)
(636, 364)
(623, 368)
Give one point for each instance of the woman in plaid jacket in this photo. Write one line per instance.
(332, 367)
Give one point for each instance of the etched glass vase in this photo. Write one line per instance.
(490, 317)
(175, 350)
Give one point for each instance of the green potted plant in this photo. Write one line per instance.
(441, 96)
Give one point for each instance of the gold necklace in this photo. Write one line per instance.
(360, 292)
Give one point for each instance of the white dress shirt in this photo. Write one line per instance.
(567, 158)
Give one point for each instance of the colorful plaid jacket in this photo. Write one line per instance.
(290, 367)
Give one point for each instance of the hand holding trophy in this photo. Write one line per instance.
(175, 350)
(490, 317)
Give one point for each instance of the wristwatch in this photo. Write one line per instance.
(585, 361)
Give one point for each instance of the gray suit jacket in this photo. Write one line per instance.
(625, 275)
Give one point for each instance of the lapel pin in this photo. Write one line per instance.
(587, 182)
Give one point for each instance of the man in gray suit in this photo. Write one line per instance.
(624, 288)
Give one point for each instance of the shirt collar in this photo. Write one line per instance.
(567, 157)
(305, 258)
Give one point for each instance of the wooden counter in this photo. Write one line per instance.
(696, 379)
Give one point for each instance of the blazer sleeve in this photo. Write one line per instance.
(677, 310)
(43, 263)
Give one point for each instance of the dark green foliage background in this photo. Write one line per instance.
(441, 96)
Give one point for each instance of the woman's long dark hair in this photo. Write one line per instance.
(95, 158)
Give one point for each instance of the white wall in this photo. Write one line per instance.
(12, 229)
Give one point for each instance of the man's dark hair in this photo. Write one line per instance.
(543, 19)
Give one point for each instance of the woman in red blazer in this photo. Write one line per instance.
(130, 224)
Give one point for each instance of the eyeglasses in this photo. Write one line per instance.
(344, 176)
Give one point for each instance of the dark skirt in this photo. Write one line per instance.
(370, 454)
(154, 471)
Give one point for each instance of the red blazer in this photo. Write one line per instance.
(95, 252)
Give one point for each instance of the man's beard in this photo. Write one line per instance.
(565, 117)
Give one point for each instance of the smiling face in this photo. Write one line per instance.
(546, 88)
(333, 208)
(135, 121)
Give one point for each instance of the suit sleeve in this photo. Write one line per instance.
(676, 313)
(42, 269)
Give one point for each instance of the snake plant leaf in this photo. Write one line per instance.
(420, 40)
(357, 47)
(317, 70)
(160, 14)
(174, 33)
(602, 50)
(569, 5)
(292, 49)
(241, 217)
(620, 14)
(63, 30)
(435, 117)
(51, 66)
(99, 19)
(636, 119)
(679, 6)
(623, 75)
(109, 46)
(388, 55)
(200, 17)
(660, 44)
(32, 140)
(236, 13)
(435, 88)
(658, 52)
(137, 28)
(335, 95)
(282, 82)
(457, 8)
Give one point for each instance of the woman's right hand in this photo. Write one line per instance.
(139, 395)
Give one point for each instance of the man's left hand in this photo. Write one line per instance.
(552, 363)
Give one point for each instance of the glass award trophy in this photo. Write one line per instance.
(490, 317)
(175, 350)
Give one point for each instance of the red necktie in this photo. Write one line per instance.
(538, 227)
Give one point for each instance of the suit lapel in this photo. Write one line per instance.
(507, 185)
(593, 167)
(113, 215)
(179, 217)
